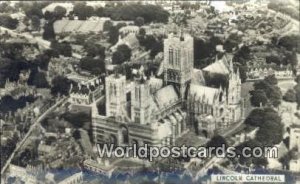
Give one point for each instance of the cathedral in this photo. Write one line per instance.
(157, 110)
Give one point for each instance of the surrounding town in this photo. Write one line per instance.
(75, 74)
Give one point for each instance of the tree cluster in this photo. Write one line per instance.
(8, 103)
(139, 21)
(94, 65)
(290, 96)
(38, 79)
(240, 59)
(63, 48)
(269, 123)
(12, 61)
(257, 161)
(150, 13)
(82, 11)
(122, 54)
(8, 22)
(270, 132)
(205, 50)
(218, 142)
(113, 35)
(290, 42)
(150, 43)
(93, 49)
(60, 85)
(266, 92)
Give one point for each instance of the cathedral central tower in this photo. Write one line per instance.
(178, 61)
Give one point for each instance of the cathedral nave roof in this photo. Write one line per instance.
(208, 93)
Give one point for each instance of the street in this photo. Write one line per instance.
(33, 126)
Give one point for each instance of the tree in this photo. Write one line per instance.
(83, 11)
(59, 12)
(255, 118)
(76, 134)
(149, 42)
(273, 59)
(251, 160)
(107, 25)
(150, 13)
(270, 134)
(93, 49)
(232, 42)
(8, 22)
(156, 48)
(35, 23)
(94, 65)
(258, 98)
(217, 141)
(38, 79)
(290, 42)
(117, 58)
(60, 86)
(113, 35)
(270, 130)
(90, 11)
(63, 48)
(275, 97)
(139, 21)
(142, 32)
(49, 33)
(272, 91)
(120, 25)
(125, 50)
(244, 52)
(49, 15)
(34, 10)
(243, 71)
(99, 12)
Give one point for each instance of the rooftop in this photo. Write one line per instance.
(166, 96)
(204, 92)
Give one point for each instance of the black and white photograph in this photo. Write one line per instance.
(150, 92)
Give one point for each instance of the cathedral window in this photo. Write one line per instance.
(221, 97)
(178, 58)
(221, 111)
(171, 61)
(111, 89)
(136, 93)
